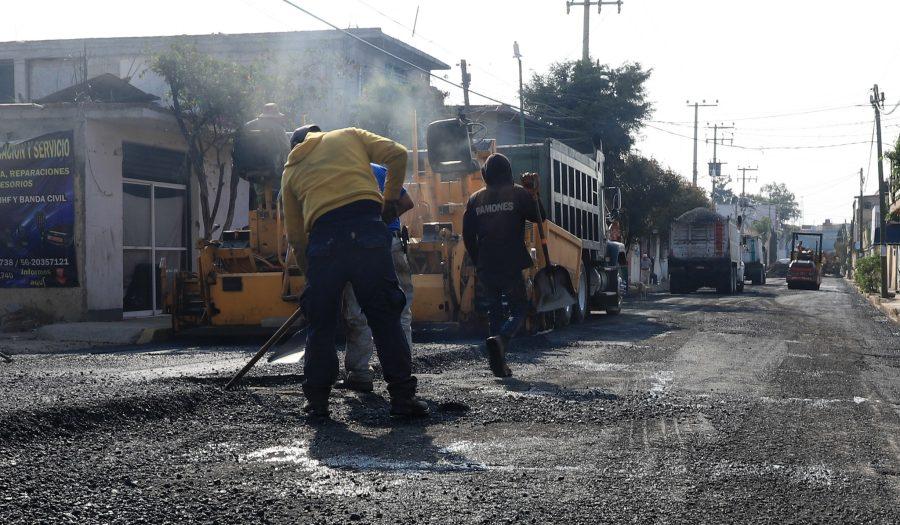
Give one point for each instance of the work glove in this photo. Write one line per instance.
(389, 211)
(530, 182)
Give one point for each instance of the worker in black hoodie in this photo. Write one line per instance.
(494, 235)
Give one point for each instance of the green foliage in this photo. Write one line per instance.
(652, 197)
(602, 107)
(210, 99)
(763, 228)
(723, 195)
(784, 200)
(868, 273)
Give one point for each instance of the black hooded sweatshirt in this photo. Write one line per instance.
(494, 222)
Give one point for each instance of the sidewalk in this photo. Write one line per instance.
(890, 307)
(65, 337)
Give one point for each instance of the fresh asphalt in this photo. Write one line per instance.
(772, 406)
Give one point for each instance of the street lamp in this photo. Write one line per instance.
(518, 56)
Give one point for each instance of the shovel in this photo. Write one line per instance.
(552, 282)
(265, 348)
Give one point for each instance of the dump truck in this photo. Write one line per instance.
(754, 259)
(706, 251)
(573, 195)
(805, 268)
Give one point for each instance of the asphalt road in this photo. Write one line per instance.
(773, 406)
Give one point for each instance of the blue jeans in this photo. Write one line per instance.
(490, 291)
(357, 251)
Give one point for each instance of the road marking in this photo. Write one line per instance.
(660, 381)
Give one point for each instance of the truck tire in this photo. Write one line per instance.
(562, 317)
(726, 285)
(677, 285)
(581, 308)
(674, 285)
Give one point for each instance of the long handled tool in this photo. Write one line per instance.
(265, 348)
(553, 283)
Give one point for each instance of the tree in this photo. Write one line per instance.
(210, 100)
(599, 107)
(652, 197)
(723, 195)
(763, 228)
(784, 201)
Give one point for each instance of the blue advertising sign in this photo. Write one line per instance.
(37, 212)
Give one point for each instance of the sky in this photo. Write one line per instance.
(793, 77)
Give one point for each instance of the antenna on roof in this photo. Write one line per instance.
(415, 21)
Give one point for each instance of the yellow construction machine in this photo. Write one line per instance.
(572, 192)
(247, 279)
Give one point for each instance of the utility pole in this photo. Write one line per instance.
(518, 56)
(466, 79)
(745, 178)
(877, 101)
(697, 106)
(715, 167)
(586, 35)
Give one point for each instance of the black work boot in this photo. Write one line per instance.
(408, 406)
(496, 348)
(316, 405)
(365, 387)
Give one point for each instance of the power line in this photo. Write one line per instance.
(419, 68)
(760, 148)
(388, 53)
(775, 115)
(418, 34)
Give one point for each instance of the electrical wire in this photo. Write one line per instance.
(760, 148)
(418, 34)
(871, 149)
(392, 55)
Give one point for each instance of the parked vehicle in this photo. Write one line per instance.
(805, 269)
(780, 268)
(754, 259)
(706, 251)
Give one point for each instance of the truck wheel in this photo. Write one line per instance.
(562, 317)
(726, 285)
(581, 308)
(674, 285)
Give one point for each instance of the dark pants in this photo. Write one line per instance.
(491, 290)
(358, 251)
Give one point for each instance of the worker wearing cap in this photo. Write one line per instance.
(359, 347)
(336, 219)
(494, 235)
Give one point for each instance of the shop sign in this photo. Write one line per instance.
(37, 212)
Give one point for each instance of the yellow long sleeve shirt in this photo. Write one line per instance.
(332, 169)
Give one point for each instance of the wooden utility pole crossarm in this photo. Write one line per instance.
(586, 34)
(697, 106)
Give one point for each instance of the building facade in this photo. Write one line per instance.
(126, 204)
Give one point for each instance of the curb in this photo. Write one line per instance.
(153, 335)
(891, 312)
